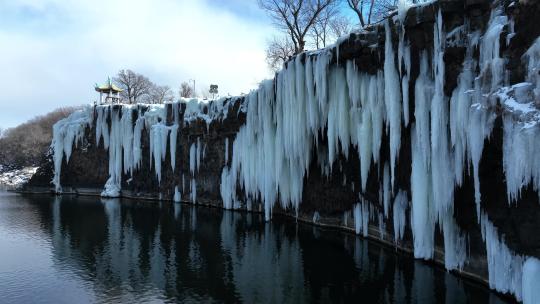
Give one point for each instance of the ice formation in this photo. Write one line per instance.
(119, 131)
(268, 159)
(66, 133)
(400, 207)
(392, 99)
(177, 198)
(504, 266)
(530, 280)
(361, 213)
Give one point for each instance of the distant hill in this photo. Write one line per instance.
(26, 144)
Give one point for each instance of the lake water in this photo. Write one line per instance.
(89, 250)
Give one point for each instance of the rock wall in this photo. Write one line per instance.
(420, 132)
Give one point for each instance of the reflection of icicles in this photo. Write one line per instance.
(264, 252)
(193, 218)
(177, 211)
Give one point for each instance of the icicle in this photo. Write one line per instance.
(505, 268)
(404, 58)
(193, 194)
(228, 188)
(392, 99)
(316, 217)
(126, 130)
(177, 196)
(521, 143)
(226, 151)
(441, 162)
(403, 7)
(192, 158)
(158, 147)
(338, 114)
(137, 150)
(198, 154)
(172, 145)
(387, 195)
(455, 249)
(531, 281)
(400, 207)
(422, 221)
(361, 217)
(66, 133)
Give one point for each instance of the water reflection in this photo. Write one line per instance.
(127, 251)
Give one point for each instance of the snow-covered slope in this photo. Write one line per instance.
(15, 179)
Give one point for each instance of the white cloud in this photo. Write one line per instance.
(52, 51)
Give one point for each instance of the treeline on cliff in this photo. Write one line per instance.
(27, 144)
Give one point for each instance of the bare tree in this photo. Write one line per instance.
(278, 51)
(186, 91)
(296, 17)
(320, 30)
(329, 26)
(340, 26)
(371, 11)
(134, 85)
(160, 94)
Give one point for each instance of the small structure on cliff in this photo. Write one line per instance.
(108, 90)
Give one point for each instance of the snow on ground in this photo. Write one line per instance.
(14, 179)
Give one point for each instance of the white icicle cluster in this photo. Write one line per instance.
(117, 131)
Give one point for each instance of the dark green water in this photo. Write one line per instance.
(87, 250)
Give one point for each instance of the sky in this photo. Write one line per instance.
(52, 52)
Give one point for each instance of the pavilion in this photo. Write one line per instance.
(110, 91)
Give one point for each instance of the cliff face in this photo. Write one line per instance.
(421, 132)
